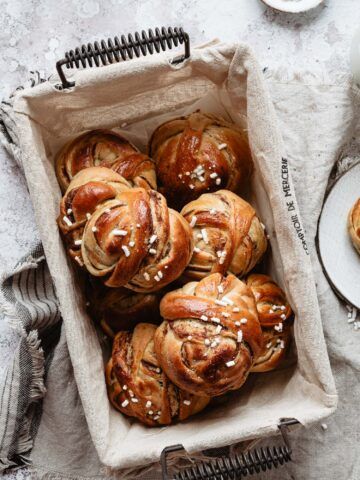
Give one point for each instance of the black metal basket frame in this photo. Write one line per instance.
(110, 51)
(127, 47)
(250, 462)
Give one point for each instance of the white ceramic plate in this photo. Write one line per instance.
(339, 258)
(293, 6)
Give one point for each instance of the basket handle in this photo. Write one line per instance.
(238, 466)
(111, 51)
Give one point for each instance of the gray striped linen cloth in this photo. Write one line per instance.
(28, 300)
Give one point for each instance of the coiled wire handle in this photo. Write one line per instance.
(127, 47)
(234, 467)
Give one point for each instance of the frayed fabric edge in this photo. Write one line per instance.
(37, 391)
(37, 386)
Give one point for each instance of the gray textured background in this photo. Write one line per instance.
(35, 33)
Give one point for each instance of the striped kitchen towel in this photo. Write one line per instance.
(28, 300)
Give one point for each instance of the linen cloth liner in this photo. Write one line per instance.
(244, 57)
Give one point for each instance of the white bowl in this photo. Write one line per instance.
(293, 6)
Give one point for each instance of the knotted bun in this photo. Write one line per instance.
(271, 302)
(87, 190)
(210, 337)
(275, 317)
(104, 148)
(121, 309)
(275, 348)
(228, 235)
(199, 153)
(138, 387)
(135, 241)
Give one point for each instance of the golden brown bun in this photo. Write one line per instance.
(104, 148)
(208, 324)
(199, 153)
(120, 309)
(135, 240)
(271, 303)
(275, 347)
(139, 388)
(87, 190)
(354, 225)
(228, 236)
